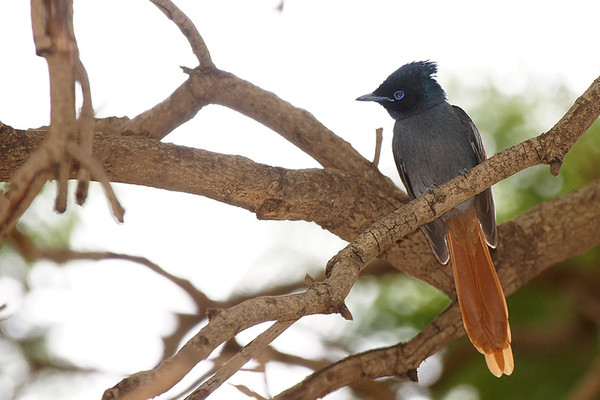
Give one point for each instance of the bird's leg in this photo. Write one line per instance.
(431, 191)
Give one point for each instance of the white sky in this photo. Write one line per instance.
(319, 55)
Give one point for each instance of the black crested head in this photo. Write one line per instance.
(410, 89)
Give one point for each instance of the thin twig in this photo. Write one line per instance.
(58, 47)
(378, 141)
(23, 188)
(52, 24)
(186, 26)
(400, 360)
(86, 130)
(98, 173)
(240, 359)
(30, 251)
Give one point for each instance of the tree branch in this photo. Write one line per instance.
(343, 269)
(52, 25)
(378, 141)
(85, 124)
(517, 265)
(400, 361)
(342, 203)
(239, 360)
(214, 86)
(207, 85)
(187, 27)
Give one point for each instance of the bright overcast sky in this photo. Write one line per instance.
(318, 55)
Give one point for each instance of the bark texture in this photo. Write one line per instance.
(349, 197)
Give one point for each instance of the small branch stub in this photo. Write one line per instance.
(345, 312)
(378, 141)
(412, 375)
(555, 166)
(310, 281)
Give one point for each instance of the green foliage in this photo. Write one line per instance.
(553, 347)
(401, 307)
(507, 120)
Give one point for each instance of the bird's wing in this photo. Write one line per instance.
(435, 231)
(404, 177)
(486, 212)
(474, 136)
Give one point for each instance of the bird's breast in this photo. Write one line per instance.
(433, 146)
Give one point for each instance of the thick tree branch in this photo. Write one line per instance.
(209, 85)
(400, 361)
(342, 203)
(212, 86)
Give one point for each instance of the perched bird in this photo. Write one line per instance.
(433, 143)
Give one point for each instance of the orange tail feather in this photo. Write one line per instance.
(480, 296)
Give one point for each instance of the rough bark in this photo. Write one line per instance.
(348, 196)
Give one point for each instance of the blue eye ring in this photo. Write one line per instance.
(398, 95)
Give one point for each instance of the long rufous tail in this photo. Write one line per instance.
(480, 295)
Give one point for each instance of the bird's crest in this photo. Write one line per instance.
(409, 90)
(416, 71)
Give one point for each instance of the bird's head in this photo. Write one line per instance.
(410, 89)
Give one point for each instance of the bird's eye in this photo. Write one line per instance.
(398, 95)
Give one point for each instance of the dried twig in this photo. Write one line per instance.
(400, 361)
(378, 141)
(30, 251)
(86, 131)
(52, 23)
(60, 52)
(242, 357)
(98, 173)
(187, 27)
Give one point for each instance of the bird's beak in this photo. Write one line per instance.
(372, 97)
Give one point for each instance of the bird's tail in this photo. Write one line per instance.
(480, 295)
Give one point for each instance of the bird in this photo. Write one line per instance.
(434, 142)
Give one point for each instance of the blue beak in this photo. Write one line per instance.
(372, 97)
